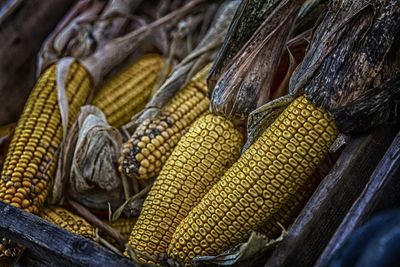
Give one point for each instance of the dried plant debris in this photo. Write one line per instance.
(202, 55)
(252, 69)
(88, 26)
(249, 16)
(248, 253)
(94, 179)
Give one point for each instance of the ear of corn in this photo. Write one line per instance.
(289, 209)
(210, 146)
(128, 92)
(68, 221)
(32, 156)
(153, 141)
(123, 226)
(258, 185)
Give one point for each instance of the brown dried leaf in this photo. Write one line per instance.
(94, 178)
(249, 16)
(103, 60)
(245, 254)
(198, 58)
(251, 72)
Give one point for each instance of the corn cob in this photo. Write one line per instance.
(123, 226)
(68, 221)
(128, 92)
(258, 185)
(151, 144)
(210, 146)
(32, 155)
(289, 209)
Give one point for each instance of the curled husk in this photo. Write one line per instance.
(94, 179)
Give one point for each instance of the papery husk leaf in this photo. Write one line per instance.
(347, 56)
(245, 254)
(251, 73)
(54, 46)
(103, 60)
(249, 16)
(133, 205)
(87, 27)
(262, 117)
(94, 178)
(202, 55)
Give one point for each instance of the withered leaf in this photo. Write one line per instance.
(94, 178)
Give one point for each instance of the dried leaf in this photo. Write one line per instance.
(346, 57)
(94, 177)
(54, 46)
(134, 203)
(251, 72)
(309, 14)
(245, 254)
(198, 58)
(103, 60)
(87, 27)
(249, 16)
(63, 68)
(7, 8)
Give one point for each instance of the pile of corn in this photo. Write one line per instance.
(206, 194)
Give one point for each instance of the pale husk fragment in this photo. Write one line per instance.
(244, 254)
(88, 26)
(94, 180)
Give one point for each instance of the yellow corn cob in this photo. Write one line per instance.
(258, 185)
(68, 221)
(289, 209)
(128, 92)
(210, 146)
(32, 156)
(123, 226)
(151, 144)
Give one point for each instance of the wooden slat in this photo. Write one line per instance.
(54, 245)
(326, 209)
(382, 192)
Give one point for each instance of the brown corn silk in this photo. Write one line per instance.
(255, 188)
(147, 150)
(33, 152)
(127, 93)
(68, 221)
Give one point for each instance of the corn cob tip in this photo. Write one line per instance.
(144, 154)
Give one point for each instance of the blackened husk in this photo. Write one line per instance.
(348, 69)
(249, 75)
(249, 16)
